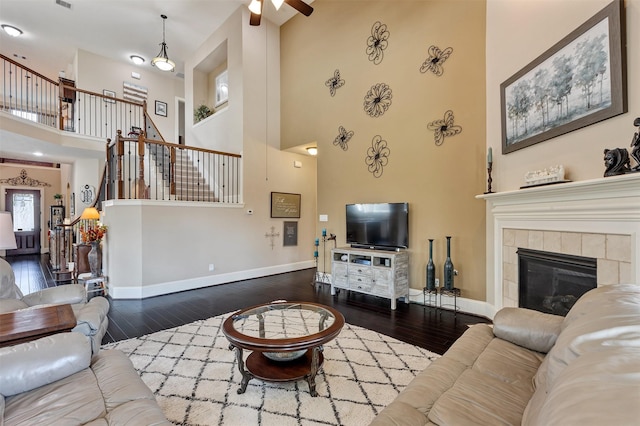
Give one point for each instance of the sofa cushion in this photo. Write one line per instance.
(480, 380)
(114, 372)
(603, 317)
(495, 390)
(598, 388)
(73, 400)
(30, 365)
(527, 328)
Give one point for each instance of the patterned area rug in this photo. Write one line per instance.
(195, 378)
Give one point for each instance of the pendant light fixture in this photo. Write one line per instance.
(162, 61)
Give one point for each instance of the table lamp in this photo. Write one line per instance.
(7, 237)
(7, 240)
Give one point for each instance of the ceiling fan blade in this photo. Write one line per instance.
(254, 19)
(300, 6)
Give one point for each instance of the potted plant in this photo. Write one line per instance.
(58, 198)
(201, 113)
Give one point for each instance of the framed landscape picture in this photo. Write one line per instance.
(579, 81)
(161, 108)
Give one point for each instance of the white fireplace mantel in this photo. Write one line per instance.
(599, 206)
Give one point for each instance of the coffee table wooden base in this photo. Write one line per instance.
(260, 367)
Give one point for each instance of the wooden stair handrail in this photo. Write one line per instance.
(177, 146)
(36, 73)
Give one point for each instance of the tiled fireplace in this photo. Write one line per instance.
(599, 219)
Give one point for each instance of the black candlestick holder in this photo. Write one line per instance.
(489, 180)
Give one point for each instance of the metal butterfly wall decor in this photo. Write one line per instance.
(377, 156)
(377, 100)
(444, 127)
(334, 83)
(343, 138)
(377, 42)
(435, 60)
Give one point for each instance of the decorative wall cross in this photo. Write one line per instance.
(272, 235)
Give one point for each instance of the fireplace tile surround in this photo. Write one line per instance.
(598, 218)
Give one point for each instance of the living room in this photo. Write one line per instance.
(282, 102)
(457, 168)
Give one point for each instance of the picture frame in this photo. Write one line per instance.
(222, 88)
(562, 90)
(285, 205)
(56, 216)
(161, 108)
(109, 94)
(290, 234)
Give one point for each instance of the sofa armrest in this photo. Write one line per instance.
(30, 365)
(11, 305)
(68, 293)
(90, 315)
(530, 329)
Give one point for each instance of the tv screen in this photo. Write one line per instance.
(378, 225)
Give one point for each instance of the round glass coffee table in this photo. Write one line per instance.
(285, 338)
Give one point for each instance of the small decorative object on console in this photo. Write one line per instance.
(553, 174)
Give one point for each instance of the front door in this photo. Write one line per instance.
(24, 206)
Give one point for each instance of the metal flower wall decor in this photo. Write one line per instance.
(343, 138)
(377, 42)
(334, 83)
(435, 60)
(377, 156)
(444, 127)
(377, 100)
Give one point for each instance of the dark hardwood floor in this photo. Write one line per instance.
(427, 327)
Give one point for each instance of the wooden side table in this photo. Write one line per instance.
(30, 324)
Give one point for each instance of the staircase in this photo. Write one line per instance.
(190, 184)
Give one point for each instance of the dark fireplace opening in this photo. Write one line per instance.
(553, 282)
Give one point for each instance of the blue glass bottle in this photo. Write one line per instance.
(448, 268)
(431, 269)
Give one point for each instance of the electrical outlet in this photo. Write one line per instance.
(212, 267)
(437, 282)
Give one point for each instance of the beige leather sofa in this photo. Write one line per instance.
(535, 369)
(91, 316)
(56, 381)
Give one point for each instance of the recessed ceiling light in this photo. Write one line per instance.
(138, 60)
(11, 30)
(38, 154)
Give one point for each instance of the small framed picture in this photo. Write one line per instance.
(285, 205)
(109, 94)
(222, 88)
(290, 234)
(161, 108)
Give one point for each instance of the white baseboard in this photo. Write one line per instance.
(471, 306)
(142, 292)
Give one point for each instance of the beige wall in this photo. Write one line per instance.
(96, 73)
(514, 39)
(439, 182)
(47, 175)
(155, 248)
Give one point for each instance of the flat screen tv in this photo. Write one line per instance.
(380, 225)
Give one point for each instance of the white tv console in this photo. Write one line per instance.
(376, 272)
